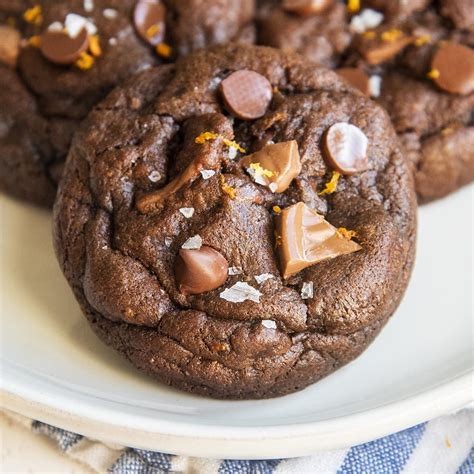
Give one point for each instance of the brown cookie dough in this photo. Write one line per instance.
(61, 76)
(426, 64)
(321, 36)
(164, 184)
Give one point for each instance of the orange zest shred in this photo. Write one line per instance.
(353, 5)
(391, 35)
(261, 171)
(346, 234)
(34, 41)
(164, 50)
(276, 209)
(423, 39)
(34, 15)
(331, 185)
(85, 62)
(369, 34)
(94, 46)
(433, 74)
(207, 136)
(152, 30)
(229, 190)
(232, 144)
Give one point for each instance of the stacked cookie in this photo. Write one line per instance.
(237, 221)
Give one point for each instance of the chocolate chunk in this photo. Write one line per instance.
(356, 77)
(307, 238)
(246, 94)
(281, 160)
(454, 66)
(200, 270)
(383, 48)
(307, 7)
(149, 18)
(60, 48)
(345, 148)
(9, 45)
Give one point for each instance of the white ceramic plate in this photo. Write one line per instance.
(56, 370)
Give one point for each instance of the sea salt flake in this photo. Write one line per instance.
(113, 41)
(269, 323)
(206, 174)
(263, 277)
(257, 177)
(110, 13)
(154, 176)
(168, 241)
(375, 85)
(74, 24)
(187, 212)
(193, 243)
(88, 5)
(366, 20)
(307, 290)
(234, 271)
(273, 187)
(240, 292)
(232, 153)
(56, 26)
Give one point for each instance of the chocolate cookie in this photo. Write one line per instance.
(239, 224)
(64, 56)
(425, 65)
(319, 30)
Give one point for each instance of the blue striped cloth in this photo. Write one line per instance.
(444, 446)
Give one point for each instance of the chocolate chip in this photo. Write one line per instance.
(149, 18)
(345, 148)
(307, 238)
(454, 64)
(9, 45)
(355, 77)
(200, 270)
(376, 51)
(246, 94)
(306, 7)
(281, 160)
(60, 48)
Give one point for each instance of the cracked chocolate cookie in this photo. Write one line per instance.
(239, 224)
(59, 58)
(319, 30)
(422, 58)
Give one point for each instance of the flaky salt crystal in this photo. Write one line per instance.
(206, 174)
(269, 323)
(366, 20)
(307, 290)
(193, 243)
(263, 277)
(375, 85)
(187, 212)
(234, 271)
(240, 292)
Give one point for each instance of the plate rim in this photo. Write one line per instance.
(237, 442)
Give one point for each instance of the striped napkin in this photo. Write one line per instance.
(444, 446)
